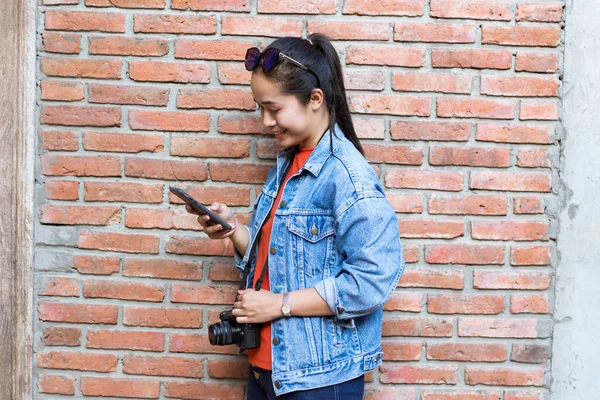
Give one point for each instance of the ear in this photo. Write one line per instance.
(317, 99)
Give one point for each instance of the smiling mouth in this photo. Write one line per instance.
(280, 133)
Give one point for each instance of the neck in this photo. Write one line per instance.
(319, 127)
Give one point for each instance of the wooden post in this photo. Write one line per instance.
(17, 130)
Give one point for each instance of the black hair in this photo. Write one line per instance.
(317, 53)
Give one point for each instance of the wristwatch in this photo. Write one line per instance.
(285, 307)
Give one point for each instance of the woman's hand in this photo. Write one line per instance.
(255, 307)
(216, 231)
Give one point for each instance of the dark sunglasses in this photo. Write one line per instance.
(268, 59)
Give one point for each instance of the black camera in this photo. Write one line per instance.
(228, 331)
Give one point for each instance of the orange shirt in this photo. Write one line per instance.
(261, 356)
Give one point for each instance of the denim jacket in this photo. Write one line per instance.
(333, 230)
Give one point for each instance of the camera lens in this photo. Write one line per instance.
(224, 333)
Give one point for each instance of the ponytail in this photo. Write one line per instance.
(317, 53)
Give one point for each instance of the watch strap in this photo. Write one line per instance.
(285, 306)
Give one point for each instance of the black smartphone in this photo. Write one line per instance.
(199, 207)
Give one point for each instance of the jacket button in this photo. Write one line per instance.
(282, 204)
(275, 341)
(278, 384)
(273, 250)
(314, 230)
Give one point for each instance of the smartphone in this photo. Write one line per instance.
(199, 207)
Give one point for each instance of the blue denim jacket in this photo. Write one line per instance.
(334, 230)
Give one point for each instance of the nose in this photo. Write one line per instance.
(268, 120)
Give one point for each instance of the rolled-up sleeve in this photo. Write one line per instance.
(368, 237)
(239, 258)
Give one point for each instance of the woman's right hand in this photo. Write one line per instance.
(216, 231)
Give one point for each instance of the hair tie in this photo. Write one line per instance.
(309, 41)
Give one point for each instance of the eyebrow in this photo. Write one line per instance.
(268, 102)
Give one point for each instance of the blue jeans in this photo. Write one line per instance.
(260, 387)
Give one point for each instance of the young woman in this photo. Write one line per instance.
(323, 229)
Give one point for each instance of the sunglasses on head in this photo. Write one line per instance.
(268, 59)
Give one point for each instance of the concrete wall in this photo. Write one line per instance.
(576, 355)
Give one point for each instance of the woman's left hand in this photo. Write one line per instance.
(255, 307)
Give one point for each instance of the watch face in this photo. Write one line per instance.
(285, 309)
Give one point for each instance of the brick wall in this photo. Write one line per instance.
(457, 103)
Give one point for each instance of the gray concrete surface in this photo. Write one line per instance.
(576, 344)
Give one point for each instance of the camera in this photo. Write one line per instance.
(228, 331)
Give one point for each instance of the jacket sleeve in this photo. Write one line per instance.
(368, 237)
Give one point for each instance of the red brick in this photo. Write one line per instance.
(153, 71)
(233, 74)
(514, 133)
(406, 204)
(229, 195)
(533, 158)
(161, 219)
(412, 327)
(497, 328)
(536, 62)
(364, 80)
(59, 2)
(408, 302)
(470, 352)
(434, 32)
(62, 20)
(431, 82)
(80, 215)
(235, 369)
(58, 286)
(223, 271)
(544, 110)
(239, 173)
(388, 104)
(124, 290)
(196, 343)
(536, 304)
(62, 90)
(162, 317)
(471, 58)
(184, 24)
(431, 228)
(393, 154)
(497, 10)
(432, 278)
(75, 68)
(465, 304)
(56, 384)
(424, 179)
(385, 55)
(118, 94)
(241, 124)
(540, 12)
(211, 5)
(470, 156)
(459, 395)
(216, 98)
(61, 190)
(350, 30)
(528, 205)
(261, 26)
(401, 351)
(476, 108)
(163, 366)
(209, 147)
(63, 43)
(297, 7)
(410, 8)
(80, 165)
(528, 395)
(534, 36)
(421, 375)
(79, 361)
(524, 86)
(166, 169)
(81, 116)
(204, 390)
(127, 243)
(529, 280)
(390, 392)
(468, 205)
(530, 255)
(430, 130)
(530, 353)
(205, 294)
(464, 254)
(510, 230)
(59, 336)
(170, 121)
(96, 265)
(504, 376)
(126, 340)
(128, 46)
(126, 3)
(226, 50)
(163, 269)
(123, 191)
(111, 387)
(198, 246)
(511, 181)
(60, 140)
(122, 142)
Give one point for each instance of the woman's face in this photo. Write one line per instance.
(291, 122)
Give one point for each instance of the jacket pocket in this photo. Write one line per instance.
(312, 240)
